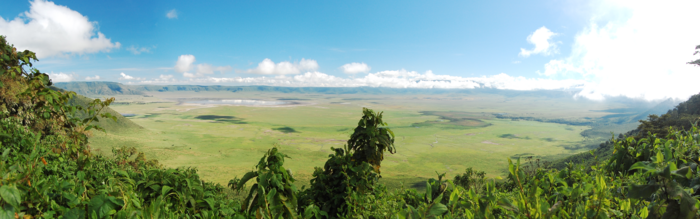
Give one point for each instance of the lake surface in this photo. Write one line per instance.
(240, 102)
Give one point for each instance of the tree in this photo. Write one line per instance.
(369, 141)
(354, 168)
(274, 194)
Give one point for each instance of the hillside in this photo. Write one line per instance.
(680, 117)
(122, 124)
(88, 88)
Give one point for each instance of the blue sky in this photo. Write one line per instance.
(523, 45)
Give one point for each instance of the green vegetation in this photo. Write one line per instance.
(48, 170)
(681, 117)
(192, 135)
(273, 195)
(454, 119)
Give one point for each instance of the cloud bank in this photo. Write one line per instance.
(637, 49)
(54, 30)
(268, 67)
(185, 64)
(389, 79)
(62, 77)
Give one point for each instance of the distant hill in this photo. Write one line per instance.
(89, 88)
(114, 88)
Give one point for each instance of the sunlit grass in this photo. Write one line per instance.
(226, 141)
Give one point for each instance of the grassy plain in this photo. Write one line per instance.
(443, 133)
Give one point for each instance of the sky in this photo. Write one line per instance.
(599, 49)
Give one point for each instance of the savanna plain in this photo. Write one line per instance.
(224, 134)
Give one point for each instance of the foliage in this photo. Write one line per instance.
(274, 194)
(369, 141)
(334, 184)
(47, 169)
(471, 179)
(355, 169)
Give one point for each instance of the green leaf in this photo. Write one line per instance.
(11, 195)
(642, 191)
(75, 213)
(103, 205)
(164, 191)
(122, 173)
(643, 166)
(5, 153)
(136, 202)
(246, 177)
(7, 212)
(659, 157)
(437, 210)
(428, 192)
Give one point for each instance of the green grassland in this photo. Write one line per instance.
(447, 133)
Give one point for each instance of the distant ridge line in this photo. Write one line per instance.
(115, 88)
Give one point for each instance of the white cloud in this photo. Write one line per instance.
(390, 79)
(166, 77)
(54, 30)
(268, 67)
(542, 39)
(138, 50)
(209, 69)
(129, 77)
(62, 77)
(97, 77)
(172, 14)
(185, 63)
(636, 49)
(353, 68)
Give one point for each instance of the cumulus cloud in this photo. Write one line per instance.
(172, 14)
(268, 67)
(185, 63)
(637, 49)
(62, 77)
(129, 77)
(354, 68)
(96, 77)
(138, 50)
(542, 39)
(54, 30)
